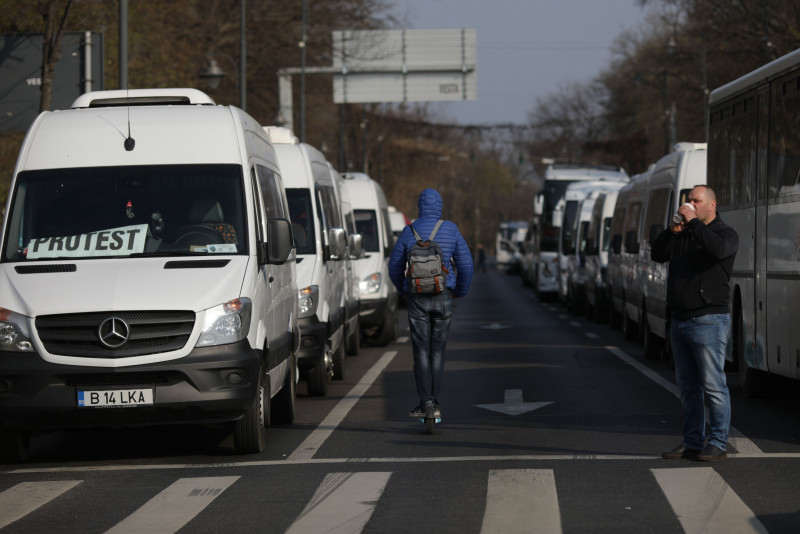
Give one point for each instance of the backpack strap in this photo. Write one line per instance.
(430, 238)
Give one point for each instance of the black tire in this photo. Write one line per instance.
(387, 332)
(429, 422)
(14, 445)
(629, 327)
(317, 379)
(652, 343)
(250, 432)
(354, 339)
(338, 361)
(283, 403)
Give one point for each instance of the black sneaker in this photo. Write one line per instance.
(437, 412)
(681, 452)
(712, 453)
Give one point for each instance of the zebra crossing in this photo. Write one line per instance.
(344, 502)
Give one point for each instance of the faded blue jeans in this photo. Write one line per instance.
(429, 321)
(698, 345)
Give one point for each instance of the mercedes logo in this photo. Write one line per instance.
(113, 332)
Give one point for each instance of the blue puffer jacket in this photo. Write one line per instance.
(449, 239)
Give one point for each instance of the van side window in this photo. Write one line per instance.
(632, 220)
(271, 192)
(302, 217)
(332, 217)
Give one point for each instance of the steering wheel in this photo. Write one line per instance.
(198, 234)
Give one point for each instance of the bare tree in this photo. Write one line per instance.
(55, 20)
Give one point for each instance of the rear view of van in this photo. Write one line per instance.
(318, 227)
(378, 296)
(147, 271)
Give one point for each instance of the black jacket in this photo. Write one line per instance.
(700, 263)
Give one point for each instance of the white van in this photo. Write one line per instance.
(378, 296)
(146, 265)
(598, 241)
(320, 237)
(352, 336)
(673, 178)
(397, 220)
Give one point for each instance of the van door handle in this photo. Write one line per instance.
(271, 279)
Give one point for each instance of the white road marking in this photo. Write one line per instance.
(738, 440)
(384, 460)
(343, 504)
(704, 503)
(592, 335)
(20, 500)
(402, 340)
(513, 405)
(171, 509)
(314, 441)
(519, 499)
(575, 323)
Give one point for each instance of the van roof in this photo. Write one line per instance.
(142, 97)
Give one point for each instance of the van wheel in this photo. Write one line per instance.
(354, 340)
(282, 404)
(338, 362)
(13, 445)
(629, 327)
(250, 432)
(317, 378)
(387, 332)
(652, 344)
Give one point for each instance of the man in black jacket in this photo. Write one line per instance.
(700, 250)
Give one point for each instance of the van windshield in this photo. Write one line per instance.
(153, 210)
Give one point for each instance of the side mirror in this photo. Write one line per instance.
(337, 243)
(631, 245)
(616, 243)
(279, 245)
(655, 231)
(356, 250)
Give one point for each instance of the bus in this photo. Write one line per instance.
(754, 168)
(543, 238)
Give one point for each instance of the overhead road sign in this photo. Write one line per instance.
(404, 65)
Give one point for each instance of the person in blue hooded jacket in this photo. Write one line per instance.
(429, 315)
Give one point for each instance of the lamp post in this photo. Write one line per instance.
(214, 73)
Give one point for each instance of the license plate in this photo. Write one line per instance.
(115, 398)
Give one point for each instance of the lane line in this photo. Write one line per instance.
(388, 460)
(517, 499)
(704, 502)
(173, 508)
(18, 501)
(314, 441)
(738, 440)
(343, 503)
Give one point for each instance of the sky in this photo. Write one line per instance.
(527, 49)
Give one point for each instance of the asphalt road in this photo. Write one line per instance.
(551, 423)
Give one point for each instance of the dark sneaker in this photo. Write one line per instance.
(681, 452)
(712, 453)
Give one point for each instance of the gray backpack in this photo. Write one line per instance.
(427, 274)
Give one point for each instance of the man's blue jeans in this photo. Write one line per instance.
(698, 345)
(429, 321)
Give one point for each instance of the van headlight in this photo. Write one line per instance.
(14, 333)
(307, 300)
(226, 323)
(370, 285)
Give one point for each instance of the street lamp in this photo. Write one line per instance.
(214, 73)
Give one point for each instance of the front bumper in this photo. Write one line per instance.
(313, 338)
(210, 385)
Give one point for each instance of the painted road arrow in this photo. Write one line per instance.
(513, 404)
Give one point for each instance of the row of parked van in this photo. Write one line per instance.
(168, 260)
(604, 266)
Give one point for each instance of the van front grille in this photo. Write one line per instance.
(126, 334)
